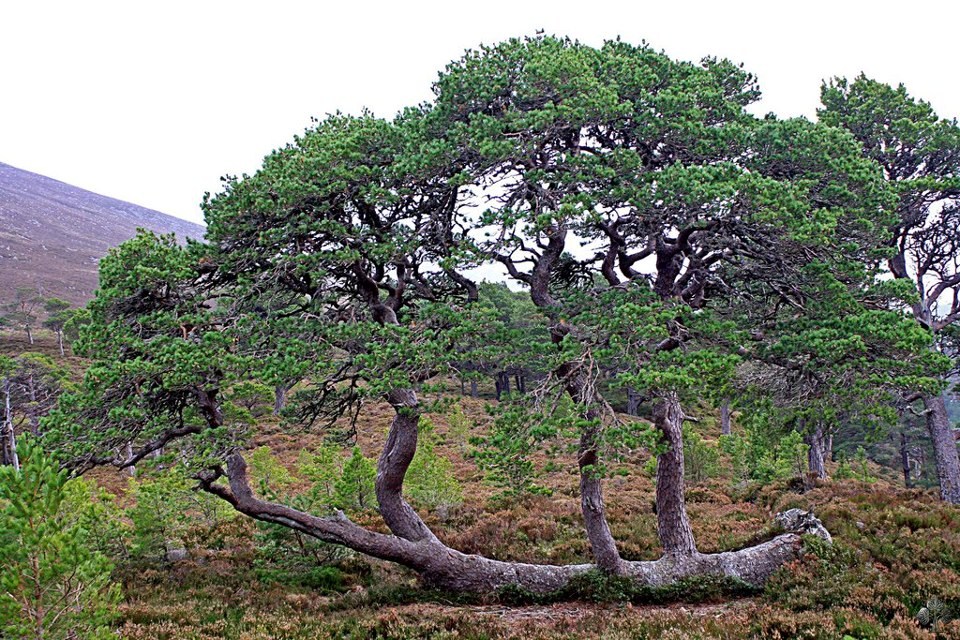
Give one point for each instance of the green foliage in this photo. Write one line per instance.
(96, 511)
(701, 459)
(166, 509)
(53, 582)
(518, 431)
(459, 427)
(23, 311)
(269, 475)
(430, 481)
(254, 397)
(322, 467)
(354, 490)
(791, 456)
(855, 468)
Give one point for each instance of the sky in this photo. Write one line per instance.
(152, 102)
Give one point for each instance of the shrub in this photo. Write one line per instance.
(355, 488)
(430, 481)
(701, 459)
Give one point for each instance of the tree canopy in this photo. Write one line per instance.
(669, 239)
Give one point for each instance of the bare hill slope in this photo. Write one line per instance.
(53, 234)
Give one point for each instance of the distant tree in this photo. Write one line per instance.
(36, 383)
(22, 311)
(8, 435)
(919, 153)
(59, 314)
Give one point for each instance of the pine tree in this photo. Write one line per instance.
(52, 584)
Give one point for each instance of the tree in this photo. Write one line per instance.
(21, 312)
(920, 156)
(59, 315)
(53, 584)
(32, 384)
(569, 168)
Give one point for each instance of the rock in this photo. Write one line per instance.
(176, 554)
(800, 521)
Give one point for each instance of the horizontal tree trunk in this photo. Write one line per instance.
(448, 568)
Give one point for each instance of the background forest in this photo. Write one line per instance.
(580, 348)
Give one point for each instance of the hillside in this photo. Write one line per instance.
(52, 234)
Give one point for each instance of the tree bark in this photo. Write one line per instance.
(502, 383)
(474, 392)
(132, 469)
(725, 417)
(60, 342)
(815, 453)
(398, 452)
(591, 504)
(905, 460)
(673, 524)
(280, 398)
(602, 544)
(944, 447)
(8, 437)
(447, 568)
(633, 402)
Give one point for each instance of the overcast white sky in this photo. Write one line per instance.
(153, 102)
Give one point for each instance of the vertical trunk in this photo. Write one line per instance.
(60, 342)
(725, 417)
(279, 398)
(815, 453)
(944, 447)
(398, 452)
(828, 446)
(30, 335)
(474, 392)
(591, 502)
(463, 387)
(8, 438)
(520, 382)
(633, 402)
(905, 460)
(602, 544)
(132, 469)
(673, 525)
(33, 411)
(502, 383)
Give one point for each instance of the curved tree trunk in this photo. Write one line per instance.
(673, 525)
(448, 568)
(944, 447)
(602, 544)
(398, 452)
(591, 504)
